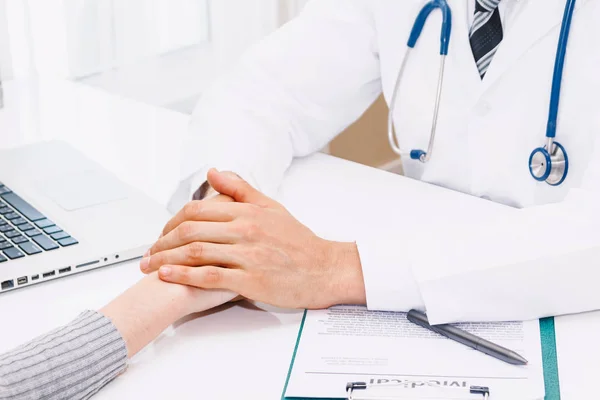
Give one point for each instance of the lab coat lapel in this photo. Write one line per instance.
(534, 20)
(460, 51)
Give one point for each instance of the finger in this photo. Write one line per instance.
(200, 210)
(196, 231)
(232, 185)
(193, 254)
(208, 277)
(220, 198)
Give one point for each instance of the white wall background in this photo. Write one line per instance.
(5, 59)
(162, 52)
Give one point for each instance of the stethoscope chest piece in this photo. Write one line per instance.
(549, 166)
(550, 163)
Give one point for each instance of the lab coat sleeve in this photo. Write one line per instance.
(288, 97)
(389, 280)
(536, 262)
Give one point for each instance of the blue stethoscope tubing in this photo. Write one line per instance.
(445, 34)
(549, 163)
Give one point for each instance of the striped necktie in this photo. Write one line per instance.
(486, 33)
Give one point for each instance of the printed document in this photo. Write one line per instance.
(350, 344)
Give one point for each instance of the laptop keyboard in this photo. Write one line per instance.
(24, 231)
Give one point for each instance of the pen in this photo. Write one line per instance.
(468, 339)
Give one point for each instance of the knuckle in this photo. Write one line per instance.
(254, 211)
(250, 230)
(157, 260)
(257, 255)
(185, 230)
(212, 276)
(239, 229)
(183, 274)
(192, 209)
(195, 250)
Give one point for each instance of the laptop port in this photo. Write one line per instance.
(47, 274)
(8, 284)
(87, 264)
(35, 277)
(63, 270)
(22, 280)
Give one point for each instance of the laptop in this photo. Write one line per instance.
(61, 214)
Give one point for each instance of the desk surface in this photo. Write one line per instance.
(235, 351)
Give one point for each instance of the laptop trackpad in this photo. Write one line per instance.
(81, 189)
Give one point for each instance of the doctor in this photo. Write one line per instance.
(301, 86)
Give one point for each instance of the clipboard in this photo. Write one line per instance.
(549, 360)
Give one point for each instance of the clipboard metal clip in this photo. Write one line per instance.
(351, 387)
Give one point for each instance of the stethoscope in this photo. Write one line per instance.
(549, 163)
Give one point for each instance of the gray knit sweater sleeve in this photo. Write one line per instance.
(71, 362)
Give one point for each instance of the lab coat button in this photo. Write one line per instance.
(483, 108)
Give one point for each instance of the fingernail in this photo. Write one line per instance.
(145, 263)
(164, 271)
(147, 253)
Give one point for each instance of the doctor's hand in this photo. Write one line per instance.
(262, 252)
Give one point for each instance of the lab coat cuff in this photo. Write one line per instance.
(389, 281)
(514, 292)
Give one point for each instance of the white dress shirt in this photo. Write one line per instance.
(508, 10)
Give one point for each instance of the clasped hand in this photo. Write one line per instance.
(248, 243)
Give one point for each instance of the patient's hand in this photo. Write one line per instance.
(144, 310)
(198, 300)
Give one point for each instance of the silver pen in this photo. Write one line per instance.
(468, 339)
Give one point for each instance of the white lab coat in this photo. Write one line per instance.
(297, 89)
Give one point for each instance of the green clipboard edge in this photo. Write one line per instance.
(549, 360)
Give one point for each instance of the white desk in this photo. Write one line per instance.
(238, 351)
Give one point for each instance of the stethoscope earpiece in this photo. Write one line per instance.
(549, 167)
